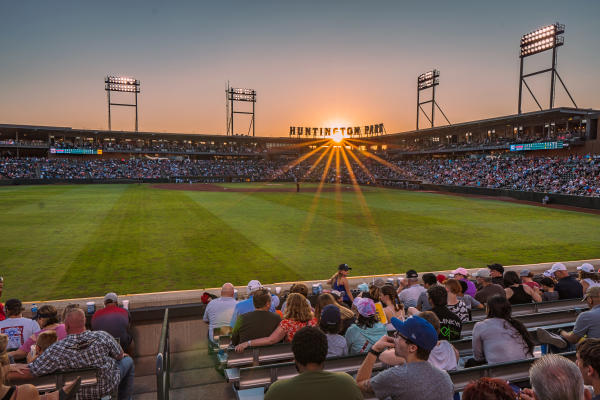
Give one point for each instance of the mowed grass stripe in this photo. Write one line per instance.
(43, 231)
(154, 240)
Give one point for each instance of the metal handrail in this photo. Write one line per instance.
(163, 365)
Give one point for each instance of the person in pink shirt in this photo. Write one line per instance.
(48, 320)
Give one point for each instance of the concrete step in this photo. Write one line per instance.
(192, 359)
(180, 379)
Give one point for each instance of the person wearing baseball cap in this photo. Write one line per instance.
(245, 306)
(461, 275)
(527, 279)
(339, 282)
(116, 321)
(414, 339)
(409, 296)
(331, 324)
(497, 273)
(567, 286)
(587, 324)
(487, 288)
(588, 276)
(367, 329)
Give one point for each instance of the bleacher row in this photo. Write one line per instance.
(252, 371)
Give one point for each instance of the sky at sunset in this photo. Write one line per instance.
(312, 63)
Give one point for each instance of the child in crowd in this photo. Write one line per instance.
(45, 339)
(548, 293)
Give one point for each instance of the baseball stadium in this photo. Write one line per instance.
(318, 259)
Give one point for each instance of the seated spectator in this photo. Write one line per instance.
(247, 305)
(348, 317)
(450, 323)
(17, 328)
(416, 378)
(497, 273)
(392, 307)
(588, 361)
(339, 282)
(116, 321)
(429, 280)
(499, 337)
(461, 274)
(588, 277)
(455, 305)
(566, 286)
(516, 292)
(313, 382)
(587, 324)
(84, 349)
(48, 321)
(2, 313)
(469, 301)
(554, 377)
(548, 293)
(297, 315)
(44, 340)
(219, 311)
(443, 356)
(258, 323)
(527, 279)
(487, 287)
(296, 288)
(367, 330)
(409, 295)
(489, 389)
(331, 324)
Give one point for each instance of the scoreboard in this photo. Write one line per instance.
(75, 151)
(538, 146)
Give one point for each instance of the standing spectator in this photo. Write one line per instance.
(392, 306)
(85, 349)
(567, 286)
(499, 337)
(429, 280)
(516, 292)
(455, 305)
(297, 315)
(587, 324)
(548, 293)
(450, 323)
(415, 379)
(588, 361)
(339, 282)
(48, 321)
(258, 323)
(410, 294)
(496, 272)
(331, 323)
(554, 377)
(116, 321)
(218, 312)
(588, 276)
(312, 382)
(487, 287)
(2, 313)
(247, 305)
(461, 274)
(367, 330)
(527, 279)
(489, 389)
(17, 328)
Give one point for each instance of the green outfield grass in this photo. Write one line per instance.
(67, 241)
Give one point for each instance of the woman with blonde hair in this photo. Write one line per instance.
(297, 315)
(339, 282)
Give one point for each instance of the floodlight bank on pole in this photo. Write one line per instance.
(538, 41)
(428, 80)
(244, 95)
(122, 84)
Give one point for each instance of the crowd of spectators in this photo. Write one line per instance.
(573, 175)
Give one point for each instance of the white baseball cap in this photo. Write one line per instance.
(253, 286)
(586, 267)
(557, 267)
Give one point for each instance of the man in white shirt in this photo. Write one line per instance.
(17, 328)
(410, 294)
(219, 311)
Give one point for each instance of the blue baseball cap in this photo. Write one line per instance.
(417, 330)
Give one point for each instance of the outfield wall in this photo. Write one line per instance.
(568, 200)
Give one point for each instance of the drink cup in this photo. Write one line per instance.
(91, 307)
(126, 304)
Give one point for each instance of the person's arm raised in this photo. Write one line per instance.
(363, 377)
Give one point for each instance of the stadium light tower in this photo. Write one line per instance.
(538, 41)
(425, 81)
(122, 84)
(239, 94)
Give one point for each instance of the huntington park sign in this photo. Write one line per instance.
(356, 131)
